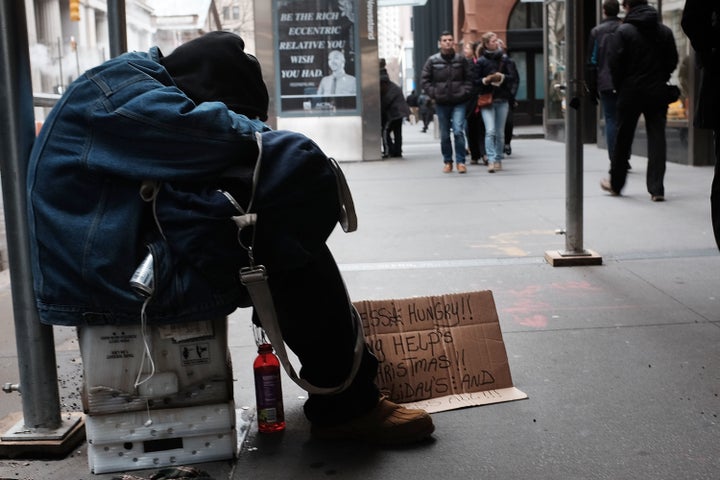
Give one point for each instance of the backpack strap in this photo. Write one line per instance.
(255, 280)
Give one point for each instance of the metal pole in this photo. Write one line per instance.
(117, 27)
(35, 342)
(574, 253)
(60, 60)
(573, 130)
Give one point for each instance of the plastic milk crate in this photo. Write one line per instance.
(158, 396)
(166, 366)
(159, 438)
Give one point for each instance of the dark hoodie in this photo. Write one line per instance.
(215, 67)
(642, 54)
(392, 101)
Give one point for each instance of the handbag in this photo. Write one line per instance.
(484, 100)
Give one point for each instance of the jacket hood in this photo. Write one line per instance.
(644, 17)
(215, 68)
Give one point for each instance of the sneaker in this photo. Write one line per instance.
(657, 198)
(498, 166)
(387, 424)
(484, 160)
(461, 168)
(605, 185)
(507, 150)
(447, 168)
(474, 161)
(491, 168)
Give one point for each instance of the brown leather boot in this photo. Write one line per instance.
(386, 424)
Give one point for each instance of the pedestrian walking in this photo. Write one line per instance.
(642, 55)
(412, 101)
(426, 110)
(512, 103)
(494, 73)
(447, 80)
(475, 128)
(701, 23)
(393, 110)
(599, 78)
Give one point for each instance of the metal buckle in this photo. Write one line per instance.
(252, 275)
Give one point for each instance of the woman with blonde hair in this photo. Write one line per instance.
(494, 74)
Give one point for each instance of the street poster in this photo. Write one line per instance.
(317, 58)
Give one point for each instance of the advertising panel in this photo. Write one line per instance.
(317, 57)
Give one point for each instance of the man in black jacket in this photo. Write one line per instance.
(447, 79)
(601, 81)
(701, 23)
(642, 55)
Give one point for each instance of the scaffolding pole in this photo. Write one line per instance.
(41, 428)
(574, 253)
(117, 27)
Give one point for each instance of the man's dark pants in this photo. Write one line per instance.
(393, 137)
(628, 113)
(314, 315)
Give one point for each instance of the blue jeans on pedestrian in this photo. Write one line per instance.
(452, 117)
(494, 118)
(608, 100)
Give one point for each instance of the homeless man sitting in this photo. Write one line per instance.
(146, 152)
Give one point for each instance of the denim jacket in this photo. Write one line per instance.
(120, 128)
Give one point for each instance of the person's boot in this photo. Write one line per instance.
(386, 424)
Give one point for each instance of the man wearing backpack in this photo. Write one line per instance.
(642, 55)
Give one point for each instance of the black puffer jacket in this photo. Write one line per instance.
(642, 54)
(447, 79)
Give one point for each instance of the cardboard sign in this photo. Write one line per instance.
(440, 352)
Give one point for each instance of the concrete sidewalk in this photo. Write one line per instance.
(621, 361)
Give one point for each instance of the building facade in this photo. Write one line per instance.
(395, 44)
(535, 34)
(67, 37)
(61, 48)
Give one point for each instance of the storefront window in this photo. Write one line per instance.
(555, 51)
(678, 112)
(526, 16)
(556, 80)
(672, 14)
